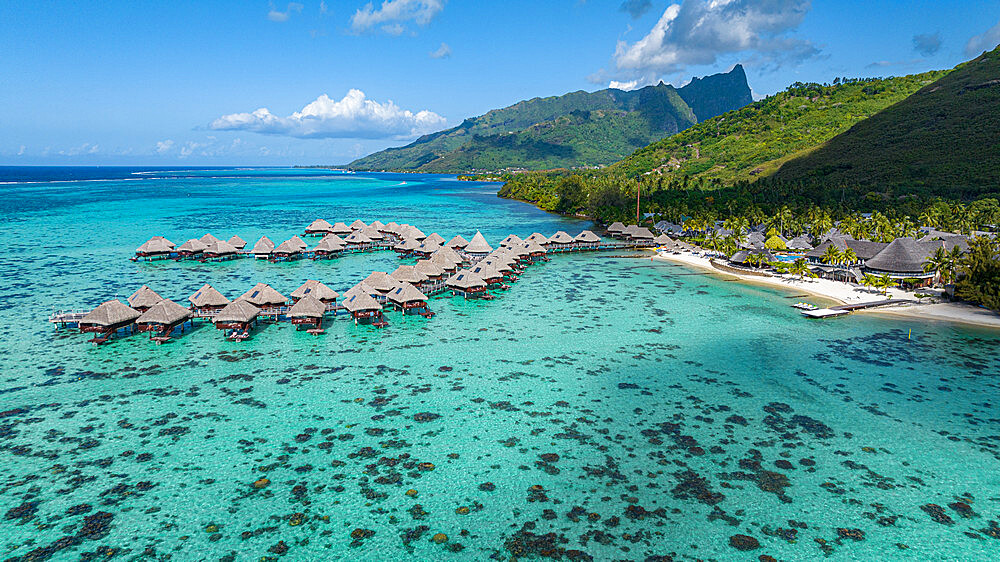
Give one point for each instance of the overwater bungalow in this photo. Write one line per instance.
(410, 231)
(537, 238)
(586, 240)
(511, 240)
(191, 248)
(358, 225)
(467, 284)
(903, 258)
(340, 229)
(426, 248)
(381, 282)
(448, 258)
(307, 311)
(391, 227)
(220, 250)
(536, 251)
(488, 273)
(108, 318)
(162, 319)
(263, 248)
(641, 236)
(615, 229)
(434, 238)
(408, 298)
(319, 227)
(560, 241)
(286, 251)
(156, 247)
(373, 233)
(357, 241)
(330, 246)
(207, 301)
(406, 247)
(237, 242)
(477, 247)
(434, 272)
(362, 306)
(237, 319)
(143, 299)
(208, 239)
(317, 290)
(377, 225)
(409, 274)
(298, 242)
(457, 243)
(521, 252)
(264, 297)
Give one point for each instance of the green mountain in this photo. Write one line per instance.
(945, 134)
(754, 141)
(575, 129)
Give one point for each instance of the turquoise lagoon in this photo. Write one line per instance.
(605, 408)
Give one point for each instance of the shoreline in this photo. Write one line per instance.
(843, 293)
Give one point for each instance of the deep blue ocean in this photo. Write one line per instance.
(604, 408)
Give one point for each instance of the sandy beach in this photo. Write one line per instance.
(844, 293)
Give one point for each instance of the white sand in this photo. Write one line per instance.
(845, 293)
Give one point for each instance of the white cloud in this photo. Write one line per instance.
(984, 42)
(323, 7)
(20, 151)
(394, 13)
(85, 148)
(927, 44)
(630, 85)
(354, 116)
(275, 15)
(442, 52)
(697, 32)
(164, 146)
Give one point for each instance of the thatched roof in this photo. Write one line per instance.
(407, 245)
(307, 307)
(380, 281)
(902, 255)
(743, 255)
(319, 225)
(287, 247)
(329, 243)
(520, 250)
(587, 236)
(478, 245)
(193, 245)
(800, 242)
(392, 226)
(434, 238)
(357, 237)
(537, 238)
(501, 266)
(486, 271)
(165, 312)
(357, 301)
(237, 242)
(207, 296)
(429, 268)
(560, 238)
(640, 233)
(207, 239)
(263, 294)
(428, 247)
(156, 245)
(410, 231)
(220, 248)
(358, 225)
(372, 233)
(663, 240)
(340, 228)
(457, 242)
(313, 288)
(465, 279)
(299, 243)
(110, 313)
(616, 227)
(447, 255)
(263, 246)
(144, 297)
(406, 293)
(408, 274)
(377, 225)
(511, 240)
(534, 247)
(238, 311)
(864, 249)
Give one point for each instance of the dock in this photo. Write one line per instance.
(844, 309)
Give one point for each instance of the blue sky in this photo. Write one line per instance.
(311, 82)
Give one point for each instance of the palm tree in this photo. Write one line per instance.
(884, 282)
(831, 256)
(869, 280)
(848, 257)
(941, 264)
(799, 267)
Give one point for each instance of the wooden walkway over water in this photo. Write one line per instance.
(844, 309)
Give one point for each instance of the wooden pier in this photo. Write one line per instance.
(844, 309)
